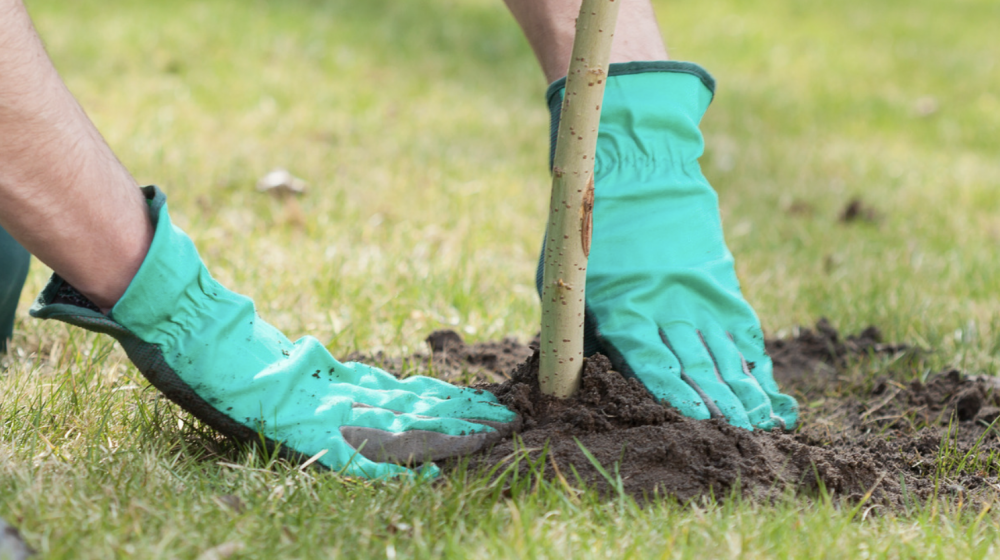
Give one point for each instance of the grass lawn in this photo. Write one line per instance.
(421, 129)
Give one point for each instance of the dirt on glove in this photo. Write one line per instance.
(883, 440)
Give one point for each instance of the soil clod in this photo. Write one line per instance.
(857, 211)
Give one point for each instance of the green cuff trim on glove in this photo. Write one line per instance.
(554, 93)
(642, 67)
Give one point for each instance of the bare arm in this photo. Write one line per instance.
(550, 25)
(63, 194)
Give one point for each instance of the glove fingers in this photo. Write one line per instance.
(784, 407)
(729, 364)
(399, 422)
(369, 377)
(382, 435)
(700, 373)
(430, 387)
(468, 404)
(641, 353)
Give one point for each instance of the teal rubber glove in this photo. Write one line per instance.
(207, 350)
(14, 260)
(663, 301)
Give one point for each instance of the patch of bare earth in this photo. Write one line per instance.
(883, 439)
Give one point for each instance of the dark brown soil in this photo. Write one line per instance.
(903, 441)
(857, 211)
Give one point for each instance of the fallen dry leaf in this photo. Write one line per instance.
(281, 182)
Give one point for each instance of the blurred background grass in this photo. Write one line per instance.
(422, 132)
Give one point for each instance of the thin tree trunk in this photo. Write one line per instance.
(567, 241)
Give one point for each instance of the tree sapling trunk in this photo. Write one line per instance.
(567, 238)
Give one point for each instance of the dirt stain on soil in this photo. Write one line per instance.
(892, 443)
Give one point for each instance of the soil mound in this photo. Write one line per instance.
(897, 442)
(658, 452)
(810, 359)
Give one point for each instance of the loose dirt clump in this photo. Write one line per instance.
(857, 211)
(889, 440)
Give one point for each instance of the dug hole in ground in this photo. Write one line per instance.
(883, 441)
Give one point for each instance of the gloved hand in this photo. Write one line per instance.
(14, 261)
(663, 301)
(207, 350)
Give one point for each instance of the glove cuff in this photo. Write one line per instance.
(649, 116)
(172, 283)
(642, 67)
(61, 301)
(171, 286)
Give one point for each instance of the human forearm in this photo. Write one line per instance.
(63, 193)
(550, 25)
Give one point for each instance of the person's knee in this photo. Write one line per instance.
(14, 260)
